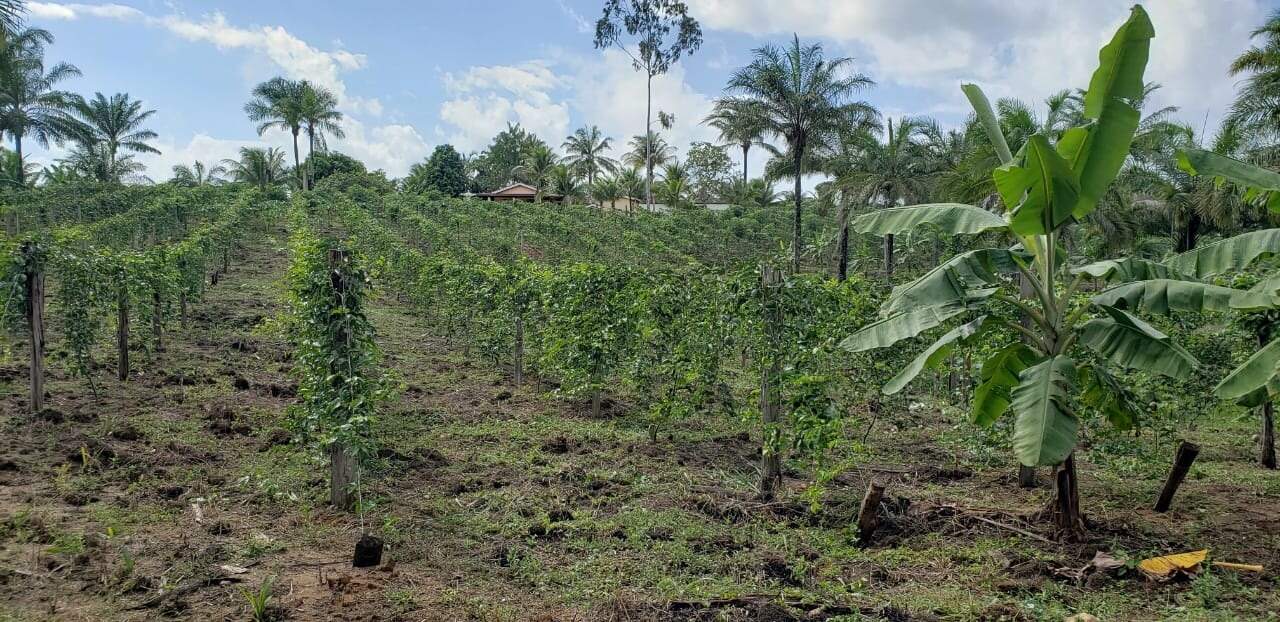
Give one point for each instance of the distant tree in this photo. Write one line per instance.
(710, 171)
(443, 172)
(278, 103)
(741, 122)
(807, 99)
(11, 14)
(606, 190)
(109, 125)
(630, 183)
(62, 174)
(496, 166)
(1257, 104)
(536, 169)
(675, 186)
(95, 161)
(197, 174)
(663, 32)
(564, 181)
(648, 152)
(263, 168)
(585, 151)
(30, 106)
(318, 109)
(322, 164)
(14, 173)
(754, 193)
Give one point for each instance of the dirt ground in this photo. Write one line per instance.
(177, 493)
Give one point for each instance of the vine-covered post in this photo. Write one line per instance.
(122, 327)
(771, 369)
(519, 354)
(342, 461)
(35, 322)
(157, 322)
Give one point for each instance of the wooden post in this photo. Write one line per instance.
(1182, 460)
(770, 401)
(1267, 438)
(519, 362)
(342, 476)
(342, 463)
(869, 513)
(596, 399)
(157, 322)
(182, 307)
(122, 331)
(35, 323)
(226, 262)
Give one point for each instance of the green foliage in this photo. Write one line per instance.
(443, 172)
(322, 164)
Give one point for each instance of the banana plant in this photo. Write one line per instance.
(1046, 187)
(1184, 284)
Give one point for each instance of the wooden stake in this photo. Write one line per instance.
(770, 406)
(122, 332)
(519, 362)
(869, 513)
(35, 324)
(342, 475)
(1182, 460)
(157, 322)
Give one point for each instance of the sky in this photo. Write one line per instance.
(413, 75)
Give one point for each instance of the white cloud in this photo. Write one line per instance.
(48, 10)
(486, 98)
(1027, 50)
(206, 149)
(392, 147)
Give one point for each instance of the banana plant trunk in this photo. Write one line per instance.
(888, 258)
(842, 268)
(1068, 522)
(1267, 439)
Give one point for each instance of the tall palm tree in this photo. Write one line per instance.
(647, 152)
(319, 114)
(61, 174)
(806, 99)
(96, 161)
(14, 173)
(259, 167)
(536, 169)
(278, 104)
(11, 14)
(1257, 104)
(197, 174)
(585, 151)
(741, 123)
(111, 125)
(30, 105)
(897, 171)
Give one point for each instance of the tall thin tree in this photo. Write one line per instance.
(277, 103)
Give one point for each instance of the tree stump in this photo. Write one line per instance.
(869, 513)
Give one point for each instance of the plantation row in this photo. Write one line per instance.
(104, 271)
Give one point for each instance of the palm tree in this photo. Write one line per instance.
(536, 168)
(30, 106)
(14, 173)
(197, 174)
(806, 99)
(11, 12)
(1257, 104)
(898, 171)
(259, 167)
(278, 103)
(656, 149)
(61, 174)
(605, 190)
(630, 184)
(741, 123)
(319, 114)
(585, 152)
(110, 125)
(674, 186)
(564, 181)
(96, 161)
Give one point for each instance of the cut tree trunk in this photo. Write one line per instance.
(1182, 461)
(1026, 476)
(596, 399)
(869, 513)
(1065, 510)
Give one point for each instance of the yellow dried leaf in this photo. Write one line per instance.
(1165, 566)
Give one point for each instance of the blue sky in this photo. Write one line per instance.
(411, 75)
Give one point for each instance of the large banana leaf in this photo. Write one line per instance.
(1104, 392)
(1252, 375)
(933, 355)
(1129, 342)
(1229, 255)
(1044, 432)
(998, 377)
(952, 218)
(1261, 297)
(1098, 150)
(986, 116)
(1043, 189)
(1254, 179)
(1164, 296)
(963, 279)
(1130, 269)
(899, 327)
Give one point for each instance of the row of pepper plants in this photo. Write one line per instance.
(104, 272)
